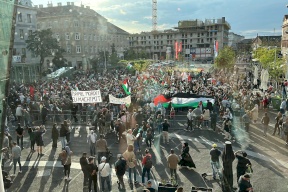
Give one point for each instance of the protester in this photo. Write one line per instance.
(16, 155)
(32, 139)
(147, 165)
(120, 168)
(172, 162)
(40, 131)
(165, 133)
(20, 133)
(102, 148)
(104, 172)
(91, 140)
(186, 159)
(131, 160)
(242, 164)
(92, 171)
(214, 160)
(65, 156)
(244, 184)
(84, 161)
(265, 121)
(55, 135)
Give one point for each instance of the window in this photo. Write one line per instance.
(91, 49)
(85, 37)
(14, 51)
(90, 37)
(67, 36)
(23, 51)
(68, 49)
(29, 18)
(76, 24)
(21, 34)
(30, 32)
(78, 49)
(19, 17)
(95, 49)
(86, 49)
(95, 37)
(77, 36)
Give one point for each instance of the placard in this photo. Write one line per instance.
(86, 96)
(114, 100)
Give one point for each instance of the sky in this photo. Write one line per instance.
(246, 17)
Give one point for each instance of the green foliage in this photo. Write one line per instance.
(41, 43)
(141, 65)
(130, 54)
(58, 60)
(269, 60)
(225, 58)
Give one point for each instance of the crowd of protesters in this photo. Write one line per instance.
(34, 104)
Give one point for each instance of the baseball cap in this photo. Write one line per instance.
(214, 145)
(119, 155)
(103, 158)
(149, 182)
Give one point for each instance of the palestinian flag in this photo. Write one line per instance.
(187, 102)
(183, 100)
(161, 99)
(125, 87)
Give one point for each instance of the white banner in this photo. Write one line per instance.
(114, 100)
(86, 96)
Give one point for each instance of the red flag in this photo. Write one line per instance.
(176, 49)
(189, 77)
(32, 90)
(180, 47)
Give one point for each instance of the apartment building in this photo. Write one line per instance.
(25, 65)
(81, 31)
(284, 41)
(197, 38)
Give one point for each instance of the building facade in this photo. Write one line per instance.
(197, 38)
(81, 32)
(233, 39)
(25, 65)
(284, 42)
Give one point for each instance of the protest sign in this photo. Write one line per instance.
(114, 100)
(86, 96)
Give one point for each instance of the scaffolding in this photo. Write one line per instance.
(24, 72)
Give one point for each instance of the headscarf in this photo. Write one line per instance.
(67, 149)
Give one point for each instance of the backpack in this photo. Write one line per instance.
(148, 163)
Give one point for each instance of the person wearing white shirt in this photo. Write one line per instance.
(189, 119)
(130, 137)
(104, 172)
(91, 139)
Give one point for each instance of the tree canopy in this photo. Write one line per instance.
(225, 58)
(41, 43)
(269, 60)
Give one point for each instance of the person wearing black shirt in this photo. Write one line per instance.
(165, 127)
(214, 160)
(120, 168)
(84, 167)
(149, 187)
(93, 169)
(243, 161)
(244, 184)
(20, 133)
(209, 106)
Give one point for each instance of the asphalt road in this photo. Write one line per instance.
(268, 156)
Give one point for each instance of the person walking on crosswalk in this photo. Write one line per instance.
(104, 172)
(172, 162)
(131, 160)
(147, 165)
(265, 121)
(16, 155)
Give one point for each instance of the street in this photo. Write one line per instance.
(267, 154)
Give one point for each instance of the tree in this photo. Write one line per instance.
(269, 60)
(225, 58)
(141, 65)
(41, 43)
(58, 60)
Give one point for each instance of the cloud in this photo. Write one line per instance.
(148, 17)
(134, 22)
(122, 12)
